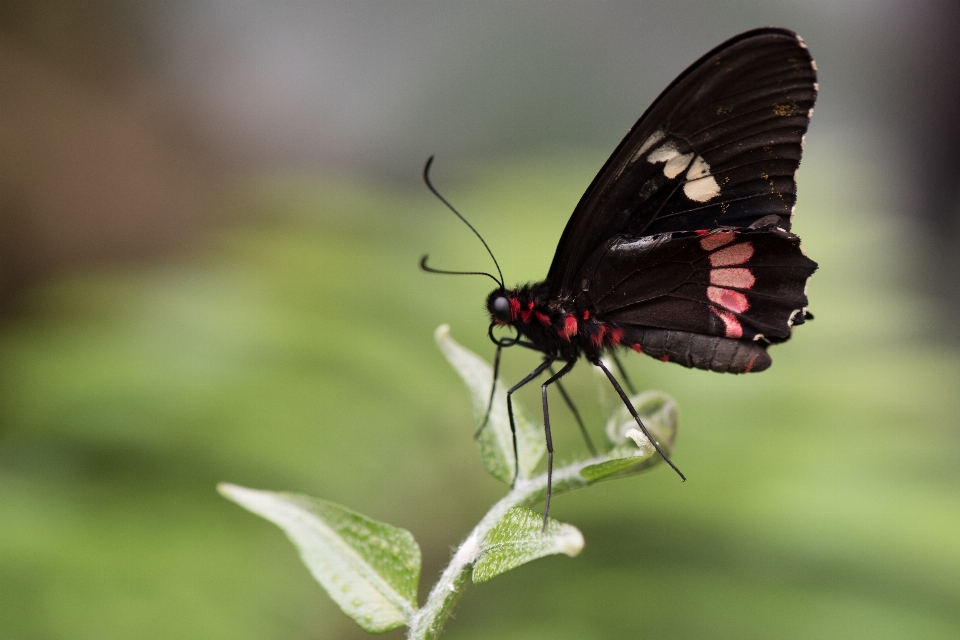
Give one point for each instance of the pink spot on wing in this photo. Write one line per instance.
(514, 308)
(730, 322)
(637, 347)
(737, 278)
(569, 327)
(737, 254)
(728, 299)
(616, 336)
(716, 240)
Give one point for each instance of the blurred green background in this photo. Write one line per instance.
(181, 309)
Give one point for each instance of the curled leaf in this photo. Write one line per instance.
(519, 538)
(657, 410)
(634, 452)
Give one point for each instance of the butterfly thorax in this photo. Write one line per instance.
(560, 328)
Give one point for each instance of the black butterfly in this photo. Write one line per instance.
(681, 247)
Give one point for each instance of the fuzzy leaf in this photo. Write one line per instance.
(518, 538)
(657, 410)
(634, 452)
(495, 440)
(370, 569)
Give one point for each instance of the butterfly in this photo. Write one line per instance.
(680, 248)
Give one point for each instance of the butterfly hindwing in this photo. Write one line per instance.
(744, 284)
(719, 147)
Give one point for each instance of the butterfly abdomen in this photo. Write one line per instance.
(699, 351)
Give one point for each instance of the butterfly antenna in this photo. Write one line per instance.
(433, 190)
(429, 269)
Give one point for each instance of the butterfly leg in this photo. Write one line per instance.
(633, 412)
(501, 343)
(513, 427)
(546, 429)
(493, 388)
(623, 373)
(576, 414)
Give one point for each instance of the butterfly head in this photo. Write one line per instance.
(502, 306)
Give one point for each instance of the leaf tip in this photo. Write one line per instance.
(230, 491)
(570, 541)
(441, 334)
(642, 441)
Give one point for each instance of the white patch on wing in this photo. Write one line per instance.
(654, 138)
(698, 169)
(702, 190)
(676, 165)
(663, 153)
(816, 86)
(810, 113)
(813, 64)
(700, 185)
(675, 161)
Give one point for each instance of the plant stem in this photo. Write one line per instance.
(429, 620)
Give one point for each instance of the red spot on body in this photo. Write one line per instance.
(750, 364)
(636, 347)
(664, 358)
(525, 315)
(702, 232)
(543, 318)
(586, 314)
(514, 308)
(569, 327)
(616, 336)
(597, 338)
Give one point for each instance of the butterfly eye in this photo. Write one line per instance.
(501, 309)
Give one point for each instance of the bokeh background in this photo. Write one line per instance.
(210, 222)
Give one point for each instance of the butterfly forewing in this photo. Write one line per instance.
(719, 147)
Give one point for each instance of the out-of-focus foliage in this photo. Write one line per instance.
(294, 353)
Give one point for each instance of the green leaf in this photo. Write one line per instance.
(620, 466)
(519, 538)
(369, 568)
(658, 412)
(495, 440)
